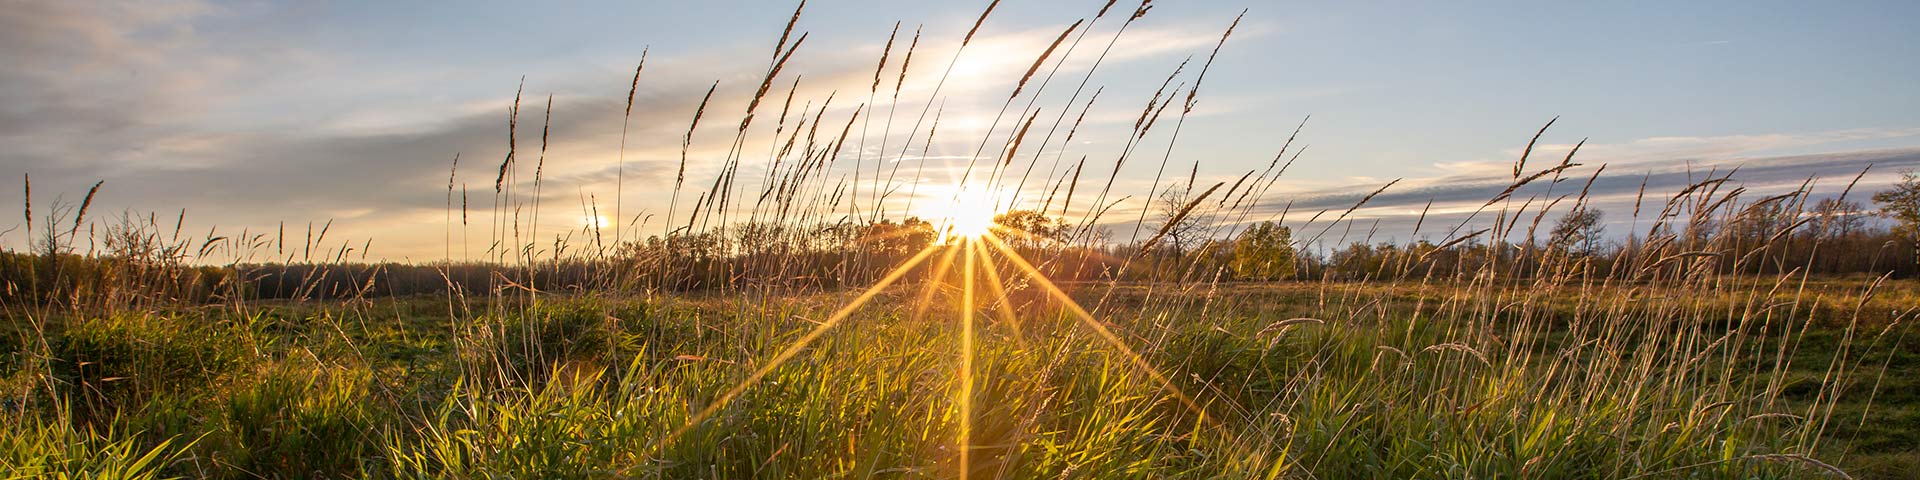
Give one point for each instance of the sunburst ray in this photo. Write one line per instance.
(1132, 357)
(1002, 302)
(1099, 329)
(793, 349)
(966, 359)
(933, 284)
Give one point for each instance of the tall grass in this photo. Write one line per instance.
(742, 340)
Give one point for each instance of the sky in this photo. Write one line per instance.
(252, 115)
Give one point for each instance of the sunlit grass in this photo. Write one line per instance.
(783, 322)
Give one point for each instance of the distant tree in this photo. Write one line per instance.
(1579, 231)
(1760, 222)
(1836, 218)
(1698, 232)
(1751, 240)
(897, 241)
(841, 237)
(760, 238)
(1838, 239)
(1360, 260)
(1183, 232)
(1264, 252)
(1038, 228)
(1902, 204)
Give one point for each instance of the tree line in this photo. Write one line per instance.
(1774, 235)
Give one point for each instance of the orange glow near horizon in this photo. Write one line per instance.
(961, 213)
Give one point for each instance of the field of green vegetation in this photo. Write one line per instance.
(1328, 380)
(785, 323)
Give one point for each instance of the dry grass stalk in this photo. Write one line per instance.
(80, 216)
(978, 22)
(1043, 59)
(1521, 165)
(1147, 246)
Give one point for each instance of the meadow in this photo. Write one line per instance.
(786, 323)
(1329, 380)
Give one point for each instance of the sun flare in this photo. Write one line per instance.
(970, 222)
(962, 213)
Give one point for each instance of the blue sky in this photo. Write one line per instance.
(247, 114)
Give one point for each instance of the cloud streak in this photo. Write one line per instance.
(249, 130)
(173, 116)
(1617, 190)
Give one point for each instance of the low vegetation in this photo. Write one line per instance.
(785, 325)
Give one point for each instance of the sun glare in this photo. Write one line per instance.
(967, 221)
(966, 214)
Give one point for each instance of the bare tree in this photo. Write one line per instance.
(1836, 218)
(1182, 232)
(1579, 231)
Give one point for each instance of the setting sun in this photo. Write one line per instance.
(962, 213)
(1035, 247)
(967, 221)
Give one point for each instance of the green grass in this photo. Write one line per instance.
(587, 387)
(1702, 348)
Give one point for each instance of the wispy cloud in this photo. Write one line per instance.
(174, 116)
(1451, 198)
(175, 109)
(1676, 149)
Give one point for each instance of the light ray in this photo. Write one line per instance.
(794, 349)
(1133, 358)
(1105, 334)
(966, 360)
(999, 289)
(934, 282)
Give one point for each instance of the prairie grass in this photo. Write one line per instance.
(786, 323)
(1362, 393)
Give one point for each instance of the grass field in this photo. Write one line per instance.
(1412, 380)
(784, 323)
